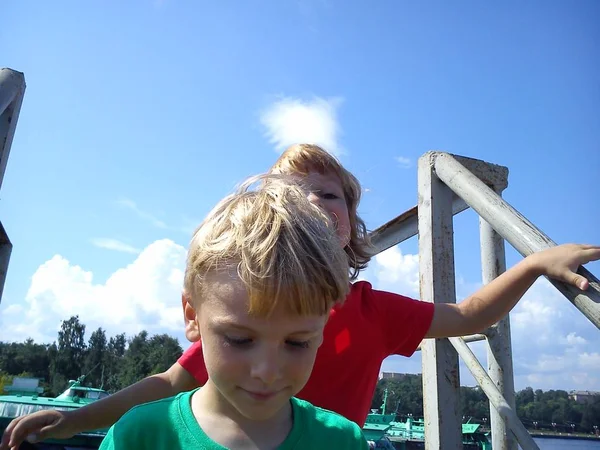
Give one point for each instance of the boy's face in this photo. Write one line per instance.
(326, 191)
(254, 364)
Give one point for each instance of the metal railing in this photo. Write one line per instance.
(449, 184)
(12, 90)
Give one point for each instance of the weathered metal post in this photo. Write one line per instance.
(441, 380)
(12, 90)
(499, 348)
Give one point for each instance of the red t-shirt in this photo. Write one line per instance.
(370, 326)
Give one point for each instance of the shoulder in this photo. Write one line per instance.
(151, 409)
(144, 421)
(330, 427)
(192, 361)
(402, 321)
(364, 290)
(362, 295)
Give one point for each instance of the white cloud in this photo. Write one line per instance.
(292, 121)
(590, 361)
(573, 340)
(132, 206)
(404, 163)
(397, 272)
(143, 295)
(554, 346)
(187, 227)
(550, 363)
(114, 244)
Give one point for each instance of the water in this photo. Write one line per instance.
(566, 444)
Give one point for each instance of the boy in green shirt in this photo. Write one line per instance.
(263, 271)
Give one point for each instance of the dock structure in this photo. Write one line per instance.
(447, 185)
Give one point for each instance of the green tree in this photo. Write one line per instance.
(163, 351)
(523, 400)
(474, 403)
(8, 358)
(67, 362)
(591, 415)
(405, 395)
(135, 362)
(114, 362)
(5, 380)
(33, 358)
(96, 358)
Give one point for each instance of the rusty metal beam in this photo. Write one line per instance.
(499, 346)
(5, 251)
(468, 339)
(525, 237)
(441, 381)
(404, 227)
(12, 90)
(494, 395)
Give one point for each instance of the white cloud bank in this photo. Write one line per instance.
(144, 295)
(554, 346)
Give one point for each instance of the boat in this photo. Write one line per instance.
(381, 430)
(24, 398)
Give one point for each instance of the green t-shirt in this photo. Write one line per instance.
(170, 424)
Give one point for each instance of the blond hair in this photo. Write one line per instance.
(283, 248)
(304, 158)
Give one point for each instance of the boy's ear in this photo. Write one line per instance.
(192, 331)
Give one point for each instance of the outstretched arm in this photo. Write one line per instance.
(495, 300)
(100, 414)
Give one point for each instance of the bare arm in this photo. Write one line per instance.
(104, 413)
(495, 300)
(100, 414)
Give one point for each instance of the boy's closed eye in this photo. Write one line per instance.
(298, 344)
(246, 342)
(237, 341)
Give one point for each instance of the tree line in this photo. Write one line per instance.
(112, 363)
(551, 410)
(117, 362)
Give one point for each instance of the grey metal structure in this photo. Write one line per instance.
(449, 184)
(12, 90)
(499, 349)
(441, 379)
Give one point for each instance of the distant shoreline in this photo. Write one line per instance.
(573, 436)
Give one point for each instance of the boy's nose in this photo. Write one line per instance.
(267, 367)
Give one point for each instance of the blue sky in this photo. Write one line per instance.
(139, 116)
